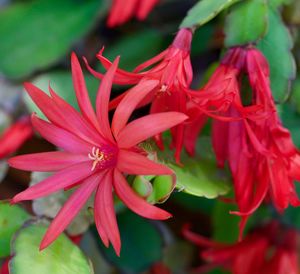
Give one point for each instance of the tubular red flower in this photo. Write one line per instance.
(262, 157)
(173, 74)
(261, 252)
(95, 156)
(15, 136)
(122, 11)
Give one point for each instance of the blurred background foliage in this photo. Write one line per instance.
(36, 39)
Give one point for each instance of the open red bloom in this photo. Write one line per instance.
(262, 157)
(172, 68)
(15, 136)
(95, 156)
(123, 11)
(261, 252)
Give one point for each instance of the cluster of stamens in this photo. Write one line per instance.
(97, 156)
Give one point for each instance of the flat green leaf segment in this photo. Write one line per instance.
(11, 219)
(204, 11)
(141, 244)
(246, 23)
(199, 175)
(61, 83)
(37, 33)
(276, 46)
(62, 257)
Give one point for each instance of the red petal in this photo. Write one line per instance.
(145, 7)
(58, 181)
(102, 100)
(46, 161)
(106, 217)
(148, 126)
(70, 209)
(135, 202)
(130, 102)
(60, 137)
(82, 93)
(134, 163)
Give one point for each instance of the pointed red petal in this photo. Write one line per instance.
(143, 128)
(58, 181)
(70, 209)
(46, 161)
(106, 215)
(82, 93)
(130, 102)
(134, 163)
(74, 122)
(135, 202)
(60, 137)
(102, 100)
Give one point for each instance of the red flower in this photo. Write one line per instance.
(123, 11)
(14, 136)
(261, 252)
(262, 157)
(172, 68)
(94, 156)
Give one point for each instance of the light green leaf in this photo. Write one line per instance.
(11, 219)
(35, 35)
(200, 176)
(62, 257)
(246, 23)
(61, 83)
(204, 11)
(276, 46)
(141, 244)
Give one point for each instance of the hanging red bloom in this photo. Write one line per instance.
(261, 252)
(15, 136)
(262, 157)
(122, 11)
(94, 156)
(172, 68)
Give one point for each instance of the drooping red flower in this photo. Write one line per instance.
(216, 99)
(122, 11)
(94, 155)
(262, 157)
(172, 68)
(261, 252)
(15, 136)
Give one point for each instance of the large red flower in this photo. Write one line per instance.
(172, 68)
(123, 11)
(262, 157)
(94, 156)
(261, 252)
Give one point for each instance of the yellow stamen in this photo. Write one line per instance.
(97, 156)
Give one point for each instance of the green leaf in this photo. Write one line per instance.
(277, 3)
(37, 34)
(199, 176)
(276, 46)
(204, 11)
(61, 82)
(62, 257)
(246, 23)
(225, 225)
(136, 48)
(11, 219)
(141, 244)
(162, 188)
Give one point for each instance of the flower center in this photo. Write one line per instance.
(97, 156)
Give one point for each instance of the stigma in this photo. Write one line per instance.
(97, 156)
